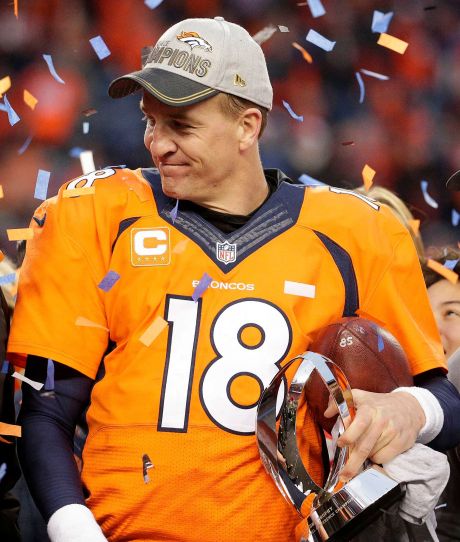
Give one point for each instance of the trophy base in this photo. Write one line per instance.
(343, 514)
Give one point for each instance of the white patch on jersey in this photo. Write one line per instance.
(300, 288)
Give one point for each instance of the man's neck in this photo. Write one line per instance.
(243, 196)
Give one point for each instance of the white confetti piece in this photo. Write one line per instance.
(310, 181)
(362, 88)
(381, 21)
(320, 41)
(100, 48)
(152, 4)
(52, 69)
(87, 162)
(431, 202)
(299, 118)
(13, 117)
(36, 385)
(316, 8)
(375, 74)
(299, 288)
(41, 186)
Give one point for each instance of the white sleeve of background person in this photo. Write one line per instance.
(74, 523)
(434, 416)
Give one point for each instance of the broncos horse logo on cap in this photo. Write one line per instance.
(194, 40)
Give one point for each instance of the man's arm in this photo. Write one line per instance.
(46, 450)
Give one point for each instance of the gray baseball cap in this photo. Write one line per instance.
(453, 182)
(198, 58)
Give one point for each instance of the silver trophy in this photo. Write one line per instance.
(338, 511)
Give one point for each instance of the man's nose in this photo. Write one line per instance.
(162, 142)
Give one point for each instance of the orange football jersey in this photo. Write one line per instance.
(171, 452)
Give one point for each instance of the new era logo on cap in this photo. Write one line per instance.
(197, 58)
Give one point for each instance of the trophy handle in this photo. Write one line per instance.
(280, 453)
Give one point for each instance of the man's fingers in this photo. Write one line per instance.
(361, 450)
(358, 427)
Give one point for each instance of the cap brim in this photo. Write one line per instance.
(453, 182)
(169, 88)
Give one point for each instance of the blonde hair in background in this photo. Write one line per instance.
(400, 210)
(9, 290)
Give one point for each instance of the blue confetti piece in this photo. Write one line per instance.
(108, 281)
(291, 112)
(362, 88)
(381, 21)
(375, 74)
(450, 264)
(100, 47)
(310, 181)
(13, 117)
(173, 212)
(431, 202)
(8, 279)
(5, 367)
(2, 471)
(380, 344)
(41, 186)
(52, 69)
(152, 4)
(49, 383)
(320, 41)
(204, 283)
(25, 145)
(316, 8)
(455, 217)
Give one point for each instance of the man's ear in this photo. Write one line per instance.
(250, 123)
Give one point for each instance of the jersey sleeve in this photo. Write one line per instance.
(58, 287)
(398, 298)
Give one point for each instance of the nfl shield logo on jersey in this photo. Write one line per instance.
(226, 252)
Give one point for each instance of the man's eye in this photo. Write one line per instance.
(181, 125)
(452, 313)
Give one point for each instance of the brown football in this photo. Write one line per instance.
(369, 355)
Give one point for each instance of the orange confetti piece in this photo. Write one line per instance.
(82, 321)
(5, 84)
(414, 225)
(19, 234)
(30, 100)
(85, 191)
(180, 247)
(152, 332)
(451, 276)
(10, 430)
(368, 176)
(2, 256)
(1, 191)
(395, 44)
(307, 56)
(16, 10)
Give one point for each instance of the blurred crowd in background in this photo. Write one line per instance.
(407, 128)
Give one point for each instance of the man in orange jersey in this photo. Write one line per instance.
(164, 300)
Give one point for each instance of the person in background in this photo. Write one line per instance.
(445, 302)
(400, 210)
(9, 467)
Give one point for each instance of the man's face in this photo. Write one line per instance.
(195, 148)
(445, 302)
